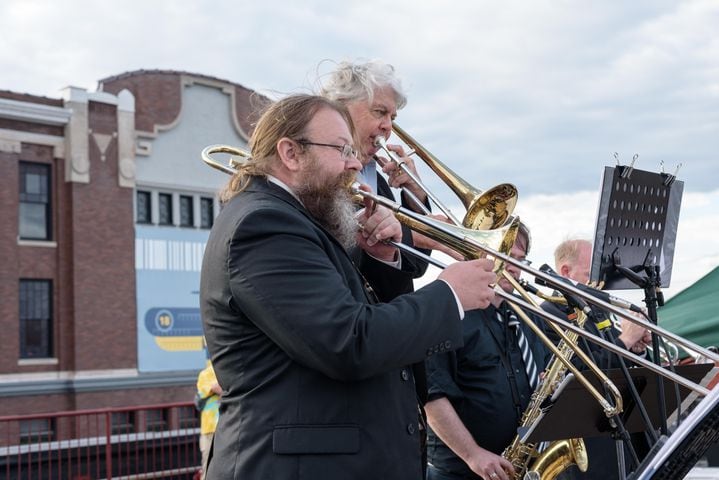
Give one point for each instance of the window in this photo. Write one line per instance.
(123, 422)
(36, 430)
(155, 420)
(165, 209)
(144, 207)
(207, 212)
(187, 217)
(35, 319)
(188, 417)
(34, 223)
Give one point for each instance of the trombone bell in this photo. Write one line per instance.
(463, 240)
(492, 208)
(486, 210)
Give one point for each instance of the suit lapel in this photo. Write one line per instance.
(262, 185)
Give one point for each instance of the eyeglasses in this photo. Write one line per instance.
(346, 150)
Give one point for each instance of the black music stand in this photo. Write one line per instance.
(636, 233)
(576, 413)
(636, 226)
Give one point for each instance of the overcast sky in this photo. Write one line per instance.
(540, 94)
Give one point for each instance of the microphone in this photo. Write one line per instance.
(611, 299)
(572, 300)
(598, 294)
(528, 286)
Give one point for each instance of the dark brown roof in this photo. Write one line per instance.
(26, 97)
(143, 72)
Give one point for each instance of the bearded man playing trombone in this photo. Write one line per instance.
(312, 368)
(477, 393)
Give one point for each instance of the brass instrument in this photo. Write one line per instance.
(232, 165)
(488, 209)
(500, 239)
(562, 453)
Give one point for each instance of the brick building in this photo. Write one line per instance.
(106, 207)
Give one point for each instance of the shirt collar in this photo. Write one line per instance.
(283, 186)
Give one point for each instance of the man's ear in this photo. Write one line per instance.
(289, 152)
(564, 270)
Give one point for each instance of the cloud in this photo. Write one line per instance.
(539, 94)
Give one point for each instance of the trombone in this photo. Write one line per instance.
(233, 164)
(488, 209)
(500, 239)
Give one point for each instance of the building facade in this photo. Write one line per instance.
(106, 208)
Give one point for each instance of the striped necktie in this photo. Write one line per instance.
(529, 365)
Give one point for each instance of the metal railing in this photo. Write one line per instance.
(147, 441)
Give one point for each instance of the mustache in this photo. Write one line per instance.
(346, 179)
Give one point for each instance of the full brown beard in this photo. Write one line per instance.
(330, 203)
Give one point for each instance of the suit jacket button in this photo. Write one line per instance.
(429, 352)
(404, 375)
(411, 428)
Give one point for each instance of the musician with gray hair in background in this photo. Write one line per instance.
(373, 93)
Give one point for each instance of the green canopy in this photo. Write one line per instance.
(693, 313)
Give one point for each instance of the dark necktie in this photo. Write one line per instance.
(529, 365)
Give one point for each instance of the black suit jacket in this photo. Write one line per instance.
(313, 375)
(389, 282)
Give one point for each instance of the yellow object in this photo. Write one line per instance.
(210, 409)
(180, 344)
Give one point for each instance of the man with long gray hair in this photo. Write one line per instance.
(372, 92)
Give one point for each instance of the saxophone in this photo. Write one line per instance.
(562, 453)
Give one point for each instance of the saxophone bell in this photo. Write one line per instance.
(558, 457)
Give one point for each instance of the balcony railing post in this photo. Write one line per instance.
(108, 445)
